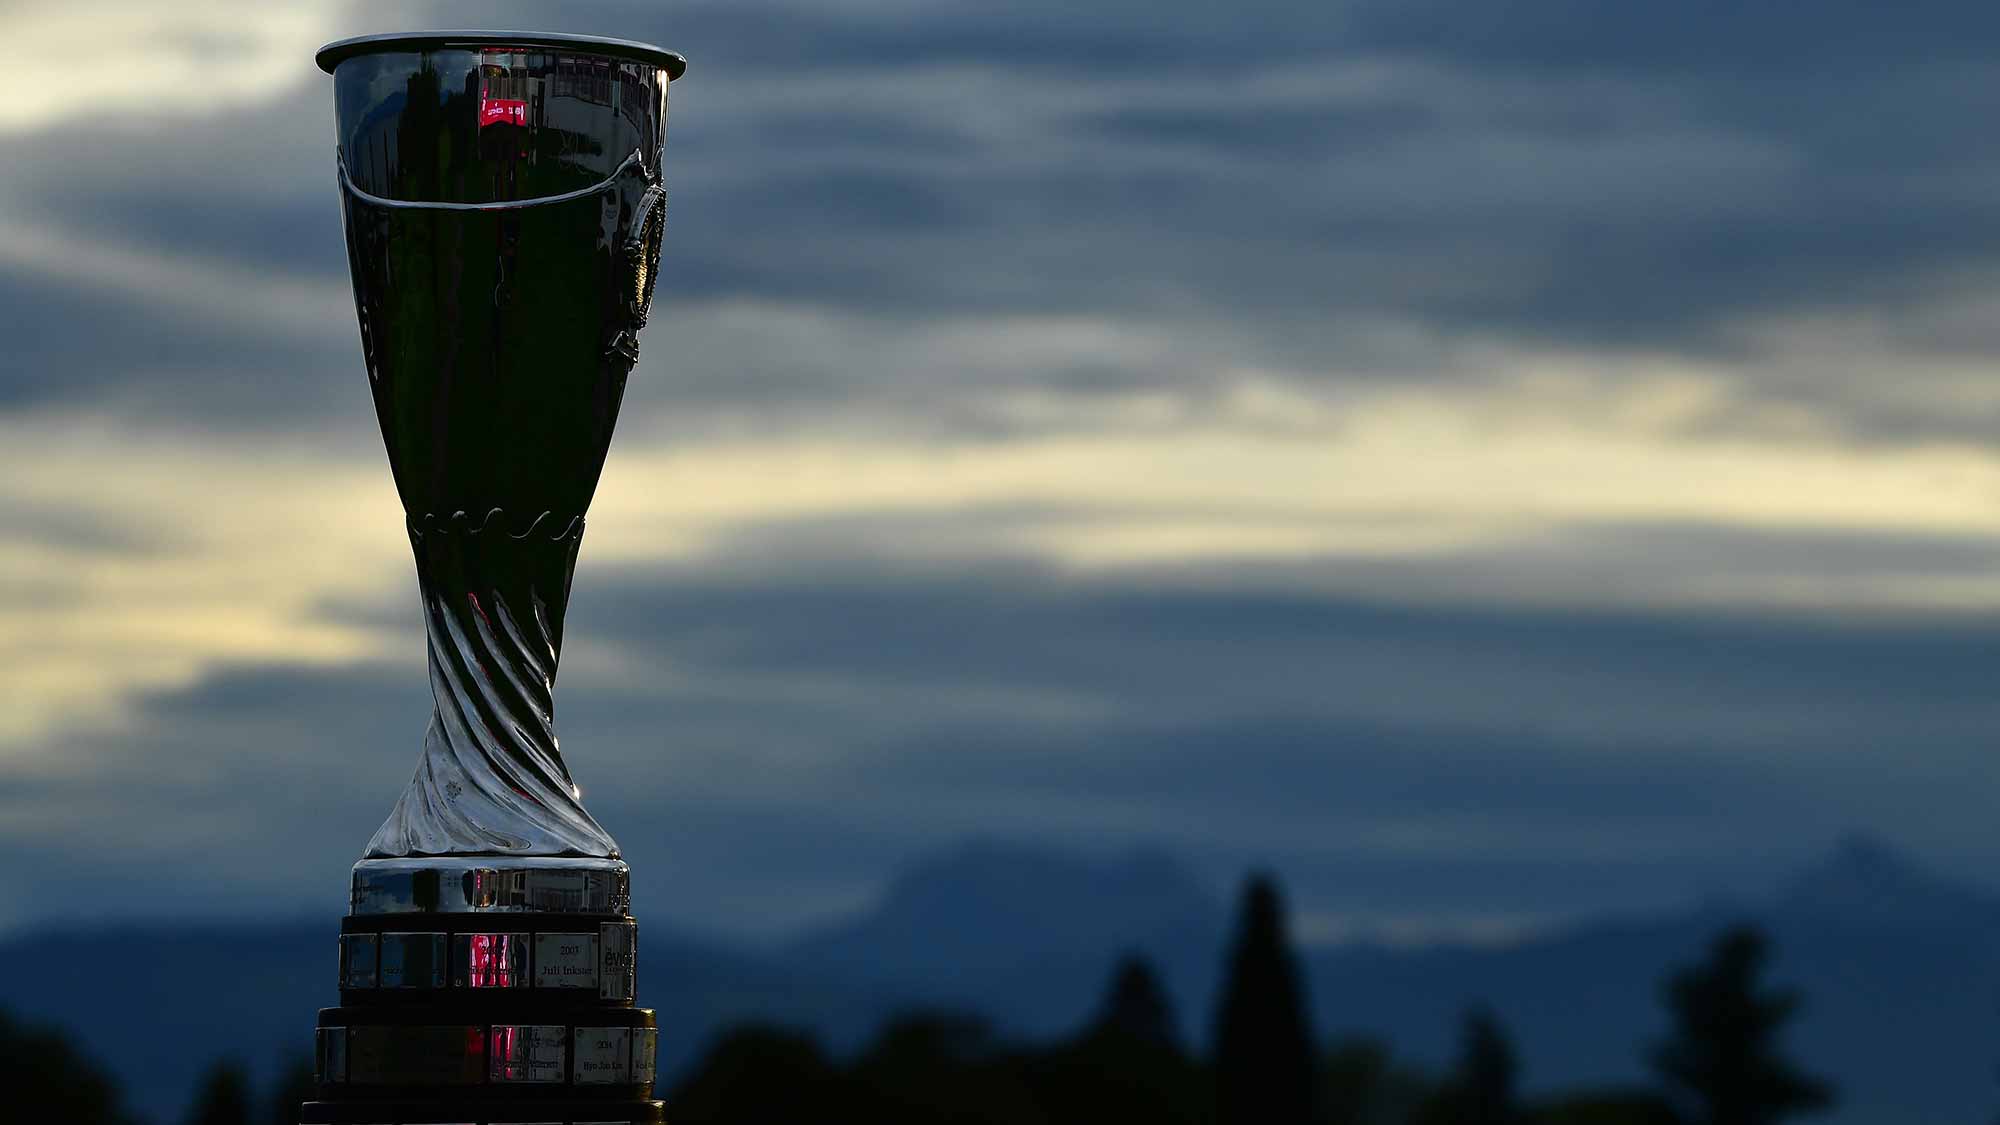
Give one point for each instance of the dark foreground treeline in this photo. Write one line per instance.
(1719, 1066)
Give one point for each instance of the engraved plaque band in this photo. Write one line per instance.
(491, 885)
(453, 1055)
(603, 961)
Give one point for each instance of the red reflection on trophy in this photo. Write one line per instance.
(494, 111)
(502, 96)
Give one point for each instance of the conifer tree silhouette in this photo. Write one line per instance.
(1263, 1048)
(1127, 1065)
(295, 1086)
(1722, 1062)
(1481, 1089)
(1136, 1007)
(224, 1097)
(1488, 1072)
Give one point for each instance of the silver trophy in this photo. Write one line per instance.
(504, 206)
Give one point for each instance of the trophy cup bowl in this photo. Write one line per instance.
(504, 206)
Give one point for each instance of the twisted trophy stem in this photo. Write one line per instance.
(492, 779)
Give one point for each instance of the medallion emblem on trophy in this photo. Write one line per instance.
(504, 203)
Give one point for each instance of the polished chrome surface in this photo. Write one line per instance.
(492, 779)
(504, 202)
(491, 885)
(331, 55)
(470, 125)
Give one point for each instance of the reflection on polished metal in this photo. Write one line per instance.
(491, 885)
(504, 200)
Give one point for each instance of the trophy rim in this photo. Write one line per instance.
(339, 51)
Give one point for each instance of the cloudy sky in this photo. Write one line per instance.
(1492, 463)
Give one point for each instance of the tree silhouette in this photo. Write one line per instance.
(224, 1097)
(1360, 1084)
(941, 1066)
(294, 1088)
(1723, 1060)
(1482, 1087)
(1136, 1006)
(48, 1079)
(1127, 1065)
(1488, 1071)
(1263, 1050)
(760, 1073)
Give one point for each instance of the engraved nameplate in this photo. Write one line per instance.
(645, 1044)
(357, 960)
(489, 961)
(529, 1053)
(617, 949)
(566, 961)
(411, 961)
(332, 1054)
(416, 1056)
(603, 1055)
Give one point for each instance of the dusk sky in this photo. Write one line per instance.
(1490, 463)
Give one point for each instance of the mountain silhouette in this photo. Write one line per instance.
(992, 902)
(1866, 883)
(1023, 931)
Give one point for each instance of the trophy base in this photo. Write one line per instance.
(492, 989)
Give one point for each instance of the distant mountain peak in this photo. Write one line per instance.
(1006, 875)
(989, 902)
(1865, 879)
